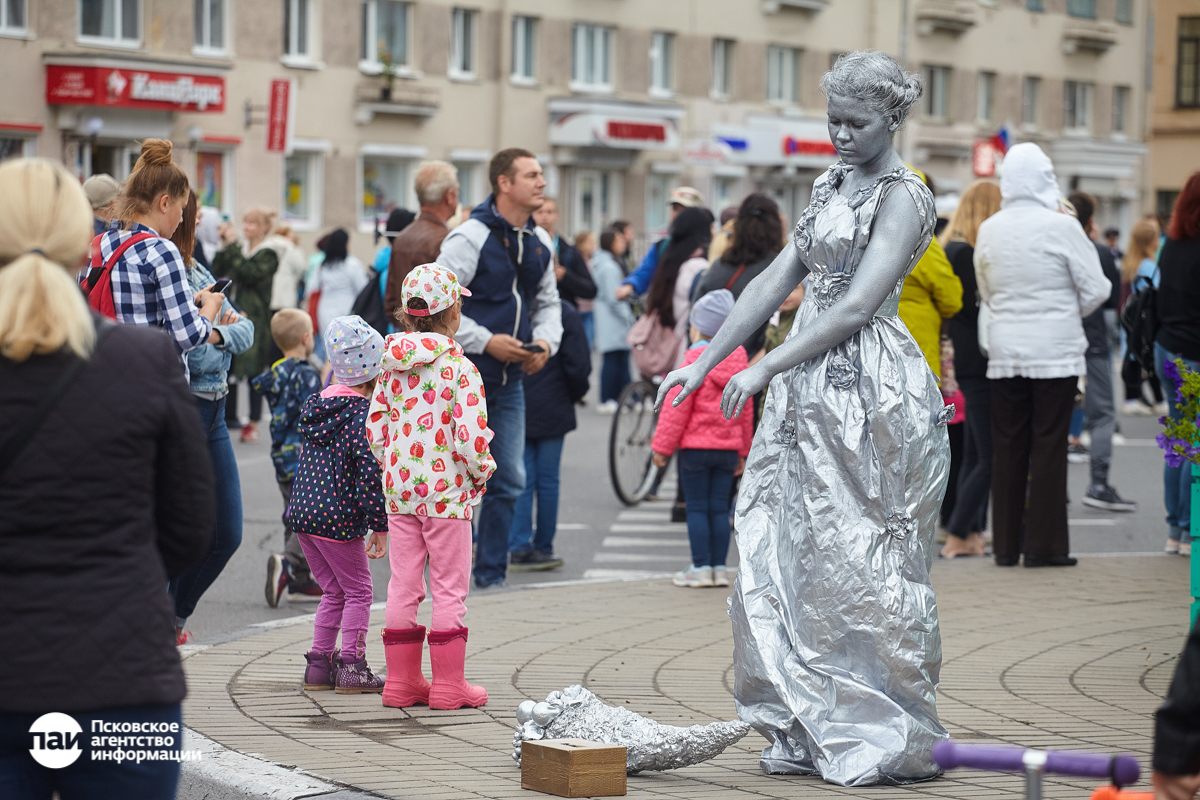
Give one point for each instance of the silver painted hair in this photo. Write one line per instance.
(876, 78)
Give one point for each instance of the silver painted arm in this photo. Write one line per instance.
(895, 237)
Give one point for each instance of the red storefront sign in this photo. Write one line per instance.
(280, 115)
(807, 147)
(641, 131)
(133, 88)
(983, 159)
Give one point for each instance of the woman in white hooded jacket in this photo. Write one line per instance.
(1038, 276)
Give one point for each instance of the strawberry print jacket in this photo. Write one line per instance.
(428, 427)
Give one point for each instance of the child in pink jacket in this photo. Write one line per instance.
(712, 449)
(428, 427)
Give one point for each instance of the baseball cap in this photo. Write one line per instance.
(685, 196)
(355, 350)
(100, 190)
(434, 284)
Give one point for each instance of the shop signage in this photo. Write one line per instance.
(706, 151)
(281, 115)
(133, 88)
(984, 158)
(793, 146)
(581, 129)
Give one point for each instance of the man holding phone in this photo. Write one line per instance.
(511, 323)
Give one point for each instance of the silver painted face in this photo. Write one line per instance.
(858, 132)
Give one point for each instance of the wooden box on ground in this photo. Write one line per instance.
(573, 768)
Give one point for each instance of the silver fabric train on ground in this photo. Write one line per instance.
(576, 713)
(837, 649)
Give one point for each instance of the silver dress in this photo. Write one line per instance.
(837, 648)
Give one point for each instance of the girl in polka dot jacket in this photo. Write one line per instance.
(428, 427)
(336, 499)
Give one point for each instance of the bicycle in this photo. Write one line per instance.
(630, 459)
(1120, 770)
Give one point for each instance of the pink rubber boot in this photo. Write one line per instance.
(405, 686)
(447, 655)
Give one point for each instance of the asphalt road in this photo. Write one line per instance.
(599, 538)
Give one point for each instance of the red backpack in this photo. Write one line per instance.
(97, 283)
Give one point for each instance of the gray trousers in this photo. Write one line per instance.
(291, 542)
(1101, 412)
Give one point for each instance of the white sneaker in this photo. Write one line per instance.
(607, 407)
(1162, 409)
(694, 577)
(1137, 408)
(720, 577)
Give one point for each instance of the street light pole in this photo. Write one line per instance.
(905, 139)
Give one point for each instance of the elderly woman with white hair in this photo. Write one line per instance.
(837, 649)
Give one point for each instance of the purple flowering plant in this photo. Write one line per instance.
(1179, 436)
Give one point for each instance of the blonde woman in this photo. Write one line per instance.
(106, 494)
(1137, 267)
(969, 518)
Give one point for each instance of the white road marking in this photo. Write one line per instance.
(624, 574)
(1093, 523)
(666, 527)
(643, 516)
(633, 541)
(630, 558)
(572, 526)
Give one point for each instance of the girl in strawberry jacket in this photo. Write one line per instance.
(428, 427)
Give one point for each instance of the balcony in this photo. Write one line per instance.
(1083, 36)
(945, 16)
(775, 6)
(407, 100)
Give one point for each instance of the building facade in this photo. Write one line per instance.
(622, 101)
(1175, 104)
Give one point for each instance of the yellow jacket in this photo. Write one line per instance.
(931, 293)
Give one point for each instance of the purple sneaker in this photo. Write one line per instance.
(355, 677)
(320, 674)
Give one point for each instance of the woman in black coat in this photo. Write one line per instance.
(106, 492)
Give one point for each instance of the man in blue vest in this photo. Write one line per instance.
(511, 323)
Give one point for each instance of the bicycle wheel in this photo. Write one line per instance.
(630, 459)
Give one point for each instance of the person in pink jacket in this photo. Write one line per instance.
(428, 427)
(712, 449)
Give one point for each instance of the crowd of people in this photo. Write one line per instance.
(419, 406)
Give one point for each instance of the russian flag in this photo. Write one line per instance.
(999, 140)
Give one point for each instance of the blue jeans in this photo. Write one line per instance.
(22, 778)
(542, 460)
(707, 478)
(589, 327)
(506, 418)
(1177, 481)
(189, 587)
(1077, 421)
(614, 374)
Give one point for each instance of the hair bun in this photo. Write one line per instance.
(156, 152)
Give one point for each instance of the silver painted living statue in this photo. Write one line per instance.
(837, 649)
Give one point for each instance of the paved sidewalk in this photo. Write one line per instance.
(1072, 658)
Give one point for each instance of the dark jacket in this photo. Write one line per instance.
(1094, 326)
(1177, 722)
(724, 275)
(338, 489)
(552, 392)
(964, 326)
(286, 385)
(419, 243)
(577, 281)
(1179, 297)
(252, 276)
(111, 499)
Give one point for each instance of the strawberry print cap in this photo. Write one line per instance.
(355, 350)
(434, 284)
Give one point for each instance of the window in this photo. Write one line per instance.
(591, 61)
(301, 192)
(594, 200)
(1120, 119)
(1164, 203)
(1077, 112)
(524, 45)
(1187, 79)
(210, 25)
(783, 74)
(986, 96)
(722, 81)
(1082, 8)
(1034, 5)
(662, 58)
(385, 183)
(658, 188)
(115, 21)
(16, 146)
(462, 44)
(385, 30)
(297, 29)
(210, 180)
(1125, 12)
(724, 193)
(934, 103)
(470, 180)
(1031, 95)
(12, 16)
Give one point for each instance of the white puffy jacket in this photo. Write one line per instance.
(1038, 275)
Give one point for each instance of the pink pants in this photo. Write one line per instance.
(447, 543)
(340, 569)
